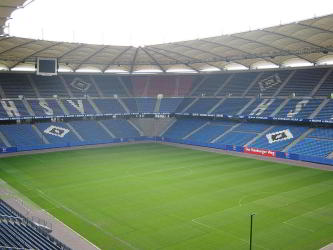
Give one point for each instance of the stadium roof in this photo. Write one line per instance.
(308, 40)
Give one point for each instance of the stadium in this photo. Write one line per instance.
(224, 142)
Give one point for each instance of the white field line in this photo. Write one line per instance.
(232, 235)
(250, 195)
(298, 227)
(58, 204)
(287, 222)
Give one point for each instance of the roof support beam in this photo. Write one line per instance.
(35, 53)
(314, 27)
(70, 51)
(172, 58)
(292, 37)
(271, 46)
(116, 57)
(153, 58)
(17, 46)
(89, 57)
(134, 59)
(186, 63)
(238, 49)
(201, 50)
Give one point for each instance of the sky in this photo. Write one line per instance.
(147, 22)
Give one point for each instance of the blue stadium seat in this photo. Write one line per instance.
(37, 107)
(16, 84)
(231, 106)
(91, 131)
(263, 142)
(303, 82)
(50, 86)
(183, 127)
(306, 109)
(209, 132)
(203, 105)
(170, 105)
(74, 106)
(326, 113)
(210, 85)
(275, 103)
(109, 106)
(146, 105)
(121, 128)
(21, 135)
(238, 84)
(110, 85)
(314, 147)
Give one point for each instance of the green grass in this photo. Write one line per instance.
(152, 196)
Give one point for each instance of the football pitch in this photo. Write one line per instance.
(154, 196)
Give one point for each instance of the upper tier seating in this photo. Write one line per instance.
(78, 106)
(326, 113)
(186, 84)
(169, 105)
(210, 85)
(46, 107)
(268, 83)
(14, 85)
(81, 85)
(231, 106)
(238, 84)
(299, 108)
(263, 107)
(131, 104)
(109, 106)
(184, 104)
(14, 108)
(109, 85)
(165, 85)
(327, 86)
(145, 105)
(48, 86)
(203, 105)
(139, 85)
(303, 82)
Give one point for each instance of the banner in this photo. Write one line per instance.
(258, 151)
